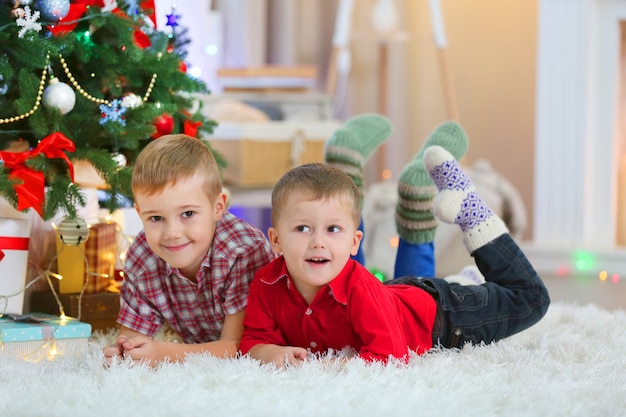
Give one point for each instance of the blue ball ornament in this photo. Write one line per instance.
(54, 10)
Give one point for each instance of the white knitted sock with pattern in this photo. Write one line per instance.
(457, 201)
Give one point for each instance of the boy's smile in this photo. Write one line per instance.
(180, 221)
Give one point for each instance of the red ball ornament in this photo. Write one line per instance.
(182, 67)
(164, 125)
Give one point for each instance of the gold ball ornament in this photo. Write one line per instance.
(73, 231)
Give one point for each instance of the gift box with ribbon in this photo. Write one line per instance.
(100, 250)
(14, 242)
(40, 336)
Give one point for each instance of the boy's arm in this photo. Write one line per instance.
(140, 347)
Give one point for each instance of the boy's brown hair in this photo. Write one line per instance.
(316, 182)
(175, 157)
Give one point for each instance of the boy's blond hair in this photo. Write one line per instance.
(316, 182)
(170, 158)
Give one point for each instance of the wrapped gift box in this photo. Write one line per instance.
(14, 243)
(42, 336)
(259, 153)
(98, 309)
(101, 252)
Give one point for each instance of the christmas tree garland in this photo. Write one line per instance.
(42, 84)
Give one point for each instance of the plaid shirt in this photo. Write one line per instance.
(154, 293)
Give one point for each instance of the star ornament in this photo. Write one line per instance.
(172, 19)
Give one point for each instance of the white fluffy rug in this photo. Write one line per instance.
(573, 363)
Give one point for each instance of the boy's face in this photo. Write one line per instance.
(316, 237)
(179, 223)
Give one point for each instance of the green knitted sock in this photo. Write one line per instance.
(350, 146)
(414, 217)
(415, 221)
(450, 136)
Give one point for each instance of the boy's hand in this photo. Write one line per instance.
(141, 348)
(127, 345)
(115, 350)
(280, 356)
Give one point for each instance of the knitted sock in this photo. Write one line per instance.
(415, 221)
(457, 201)
(450, 136)
(350, 146)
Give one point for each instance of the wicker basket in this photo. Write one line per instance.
(258, 154)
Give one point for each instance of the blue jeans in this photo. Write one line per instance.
(513, 298)
(414, 259)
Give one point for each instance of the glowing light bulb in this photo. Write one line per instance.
(603, 275)
(615, 278)
(562, 271)
(211, 49)
(584, 261)
(394, 242)
(195, 72)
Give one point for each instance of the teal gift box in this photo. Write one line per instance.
(37, 336)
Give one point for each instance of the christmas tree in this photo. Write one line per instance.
(90, 80)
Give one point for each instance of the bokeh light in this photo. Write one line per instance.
(584, 261)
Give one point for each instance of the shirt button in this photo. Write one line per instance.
(308, 312)
(313, 344)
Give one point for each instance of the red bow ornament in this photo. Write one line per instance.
(30, 189)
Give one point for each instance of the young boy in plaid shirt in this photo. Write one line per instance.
(192, 264)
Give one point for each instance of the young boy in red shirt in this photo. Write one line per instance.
(315, 299)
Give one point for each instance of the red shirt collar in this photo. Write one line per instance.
(338, 286)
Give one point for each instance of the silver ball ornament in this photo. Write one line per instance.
(120, 159)
(58, 95)
(54, 10)
(4, 87)
(73, 231)
(131, 101)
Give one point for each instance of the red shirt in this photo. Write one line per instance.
(154, 293)
(355, 309)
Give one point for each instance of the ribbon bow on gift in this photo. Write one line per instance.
(12, 243)
(30, 190)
